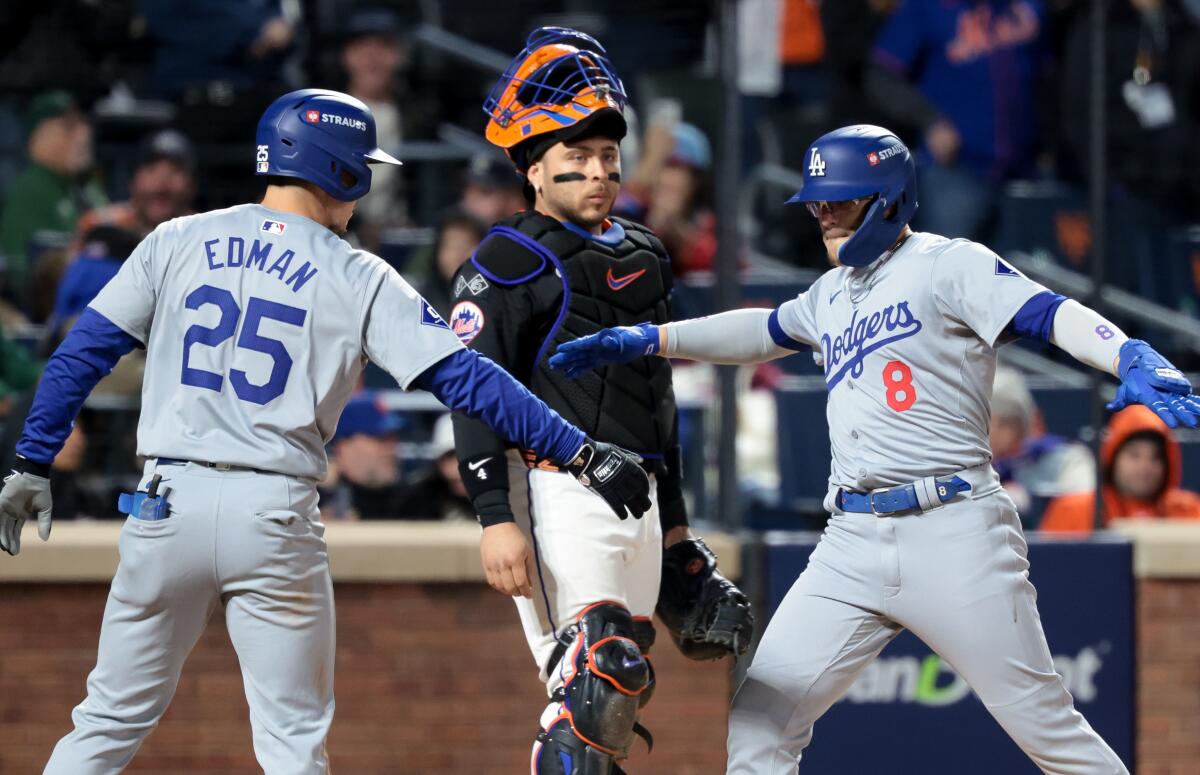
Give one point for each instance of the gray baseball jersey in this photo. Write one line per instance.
(907, 346)
(257, 325)
(908, 349)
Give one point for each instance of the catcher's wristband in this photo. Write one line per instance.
(23, 465)
(672, 514)
(492, 508)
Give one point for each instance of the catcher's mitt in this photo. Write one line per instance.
(707, 615)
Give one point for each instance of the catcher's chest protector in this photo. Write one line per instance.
(593, 286)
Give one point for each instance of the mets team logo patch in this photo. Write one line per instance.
(466, 321)
(430, 317)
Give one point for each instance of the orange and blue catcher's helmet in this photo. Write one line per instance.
(560, 84)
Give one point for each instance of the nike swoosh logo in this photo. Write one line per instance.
(617, 283)
(474, 466)
(833, 296)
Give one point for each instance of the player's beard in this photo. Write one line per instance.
(832, 245)
(567, 202)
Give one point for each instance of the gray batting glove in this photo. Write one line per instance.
(24, 496)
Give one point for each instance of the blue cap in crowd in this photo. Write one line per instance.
(364, 414)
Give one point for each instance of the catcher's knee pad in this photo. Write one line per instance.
(605, 675)
(643, 636)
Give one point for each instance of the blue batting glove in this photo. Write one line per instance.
(1150, 379)
(604, 348)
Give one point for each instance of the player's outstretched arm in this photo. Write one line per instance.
(739, 336)
(471, 383)
(1146, 376)
(87, 355)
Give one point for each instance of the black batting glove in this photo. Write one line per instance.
(615, 475)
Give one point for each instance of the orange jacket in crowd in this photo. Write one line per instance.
(1073, 513)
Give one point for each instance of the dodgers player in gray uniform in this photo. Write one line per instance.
(257, 322)
(921, 535)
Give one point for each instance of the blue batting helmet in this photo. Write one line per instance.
(324, 137)
(861, 161)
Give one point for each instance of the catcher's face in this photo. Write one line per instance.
(578, 181)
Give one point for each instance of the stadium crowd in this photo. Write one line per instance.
(118, 115)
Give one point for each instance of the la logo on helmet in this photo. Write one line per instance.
(816, 165)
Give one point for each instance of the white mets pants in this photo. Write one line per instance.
(957, 576)
(584, 554)
(252, 542)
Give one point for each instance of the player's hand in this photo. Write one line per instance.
(943, 141)
(24, 496)
(1150, 379)
(615, 475)
(507, 561)
(604, 348)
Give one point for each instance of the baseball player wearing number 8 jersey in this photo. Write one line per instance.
(257, 322)
(921, 534)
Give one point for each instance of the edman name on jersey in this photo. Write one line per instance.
(860, 338)
(260, 256)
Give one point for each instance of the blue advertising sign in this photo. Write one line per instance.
(908, 712)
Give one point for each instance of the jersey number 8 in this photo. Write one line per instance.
(256, 310)
(897, 378)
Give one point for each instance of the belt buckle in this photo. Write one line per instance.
(222, 466)
(871, 503)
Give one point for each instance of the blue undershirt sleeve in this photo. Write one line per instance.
(470, 383)
(87, 354)
(1035, 320)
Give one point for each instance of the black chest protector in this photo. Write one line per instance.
(585, 285)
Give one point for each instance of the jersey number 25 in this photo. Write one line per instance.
(256, 310)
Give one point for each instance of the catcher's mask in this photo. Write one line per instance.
(560, 87)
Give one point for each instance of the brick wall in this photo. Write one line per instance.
(435, 679)
(1168, 691)
(432, 679)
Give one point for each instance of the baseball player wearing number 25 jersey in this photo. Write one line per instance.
(257, 323)
(921, 535)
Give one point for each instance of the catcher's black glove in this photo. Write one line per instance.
(707, 615)
(615, 474)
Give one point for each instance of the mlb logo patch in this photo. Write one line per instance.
(430, 317)
(312, 116)
(872, 158)
(466, 321)
(262, 158)
(273, 227)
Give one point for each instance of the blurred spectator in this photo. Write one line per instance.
(668, 191)
(459, 233)
(162, 187)
(1034, 466)
(42, 205)
(216, 47)
(73, 498)
(19, 373)
(781, 58)
(964, 73)
(371, 56)
(439, 493)
(1142, 467)
(366, 457)
(852, 25)
(1153, 104)
(493, 189)
(102, 251)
